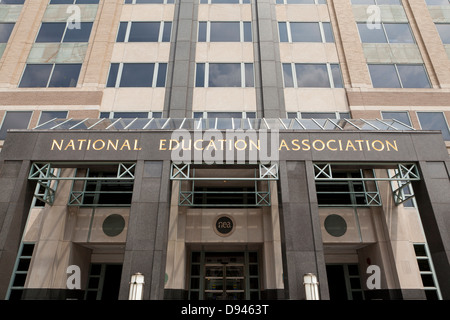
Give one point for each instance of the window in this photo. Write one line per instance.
(103, 282)
(401, 116)
(74, 1)
(224, 1)
(21, 268)
(12, 2)
(388, 33)
(301, 1)
(437, 2)
(305, 32)
(15, 120)
(434, 121)
(322, 75)
(344, 282)
(399, 76)
(444, 32)
(159, 31)
(102, 190)
(426, 269)
(224, 75)
(129, 115)
(228, 115)
(377, 2)
(64, 32)
(229, 31)
(50, 75)
(50, 115)
(225, 191)
(5, 31)
(149, 1)
(137, 75)
(352, 190)
(318, 115)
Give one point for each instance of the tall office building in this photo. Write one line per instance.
(225, 149)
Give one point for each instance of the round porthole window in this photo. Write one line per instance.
(335, 225)
(113, 225)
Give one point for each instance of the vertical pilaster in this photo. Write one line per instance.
(181, 72)
(269, 79)
(15, 198)
(433, 200)
(300, 225)
(146, 247)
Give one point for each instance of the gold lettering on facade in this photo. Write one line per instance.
(98, 144)
(347, 145)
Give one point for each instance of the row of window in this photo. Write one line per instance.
(53, 2)
(295, 75)
(216, 31)
(365, 2)
(427, 120)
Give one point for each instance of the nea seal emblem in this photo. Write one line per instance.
(224, 225)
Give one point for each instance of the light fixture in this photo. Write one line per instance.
(311, 286)
(136, 286)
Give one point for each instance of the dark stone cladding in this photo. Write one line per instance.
(301, 241)
(412, 146)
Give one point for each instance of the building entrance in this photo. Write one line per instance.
(224, 276)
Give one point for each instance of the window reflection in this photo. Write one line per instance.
(224, 75)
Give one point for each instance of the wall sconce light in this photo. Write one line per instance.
(136, 286)
(311, 286)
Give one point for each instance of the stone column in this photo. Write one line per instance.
(268, 76)
(15, 200)
(180, 75)
(433, 201)
(300, 229)
(146, 246)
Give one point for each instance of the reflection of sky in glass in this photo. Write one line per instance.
(398, 33)
(49, 115)
(312, 75)
(13, 1)
(384, 76)
(137, 75)
(79, 35)
(287, 73)
(444, 32)
(51, 32)
(437, 2)
(5, 31)
(15, 120)
(371, 35)
(413, 76)
(224, 75)
(144, 32)
(65, 75)
(36, 75)
(225, 32)
(400, 116)
(305, 32)
(434, 121)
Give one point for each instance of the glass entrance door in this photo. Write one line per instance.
(224, 276)
(224, 282)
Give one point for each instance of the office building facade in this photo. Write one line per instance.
(225, 149)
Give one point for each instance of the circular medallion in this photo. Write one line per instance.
(224, 226)
(113, 225)
(335, 225)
